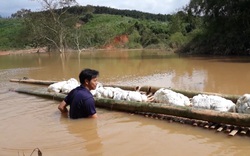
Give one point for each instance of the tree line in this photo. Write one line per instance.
(202, 27)
(226, 27)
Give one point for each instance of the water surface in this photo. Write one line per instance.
(29, 122)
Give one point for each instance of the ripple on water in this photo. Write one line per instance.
(31, 122)
(28, 122)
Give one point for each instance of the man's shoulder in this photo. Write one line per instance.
(85, 92)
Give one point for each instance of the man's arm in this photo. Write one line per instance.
(63, 107)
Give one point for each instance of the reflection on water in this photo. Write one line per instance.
(29, 122)
(152, 68)
(86, 130)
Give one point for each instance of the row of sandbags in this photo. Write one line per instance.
(118, 94)
(203, 101)
(169, 97)
(100, 91)
(162, 95)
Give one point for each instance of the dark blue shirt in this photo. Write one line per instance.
(81, 101)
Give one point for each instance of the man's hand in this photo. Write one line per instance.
(63, 107)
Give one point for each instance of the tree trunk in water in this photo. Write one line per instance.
(159, 108)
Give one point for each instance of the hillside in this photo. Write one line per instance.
(10, 33)
(195, 30)
(99, 31)
(102, 29)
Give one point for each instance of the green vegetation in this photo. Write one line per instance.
(96, 31)
(101, 29)
(226, 29)
(203, 27)
(11, 34)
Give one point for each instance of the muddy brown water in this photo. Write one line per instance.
(29, 122)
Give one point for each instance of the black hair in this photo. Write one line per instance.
(87, 74)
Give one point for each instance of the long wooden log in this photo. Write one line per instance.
(33, 81)
(151, 89)
(236, 119)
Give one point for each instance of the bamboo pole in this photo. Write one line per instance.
(33, 81)
(236, 119)
(146, 89)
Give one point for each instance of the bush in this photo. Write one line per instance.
(133, 45)
(177, 40)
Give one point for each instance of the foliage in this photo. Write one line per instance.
(10, 34)
(226, 27)
(130, 13)
(176, 40)
(100, 30)
(21, 13)
(204, 26)
(95, 31)
(52, 25)
(79, 27)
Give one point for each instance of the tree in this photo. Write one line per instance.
(227, 25)
(52, 25)
(21, 13)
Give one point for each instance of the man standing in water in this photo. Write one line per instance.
(80, 99)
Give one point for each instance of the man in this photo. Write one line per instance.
(80, 100)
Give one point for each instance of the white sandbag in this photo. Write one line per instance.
(56, 87)
(95, 91)
(136, 96)
(212, 102)
(63, 86)
(108, 92)
(70, 84)
(243, 104)
(118, 94)
(102, 92)
(171, 98)
(201, 101)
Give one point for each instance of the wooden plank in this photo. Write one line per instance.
(220, 128)
(195, 124)
(229, 128)
(214, 126)
(234, 131)
(244, 131)
(208, 125)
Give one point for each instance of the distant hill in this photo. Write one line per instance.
(104, 27)
(112, 11)
(101, 27)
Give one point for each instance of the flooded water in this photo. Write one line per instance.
(29, 122)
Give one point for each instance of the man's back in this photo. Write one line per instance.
(81, 103)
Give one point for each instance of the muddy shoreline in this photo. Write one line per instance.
(23, 51)
(44, 50)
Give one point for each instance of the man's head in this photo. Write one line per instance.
(88, 78)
